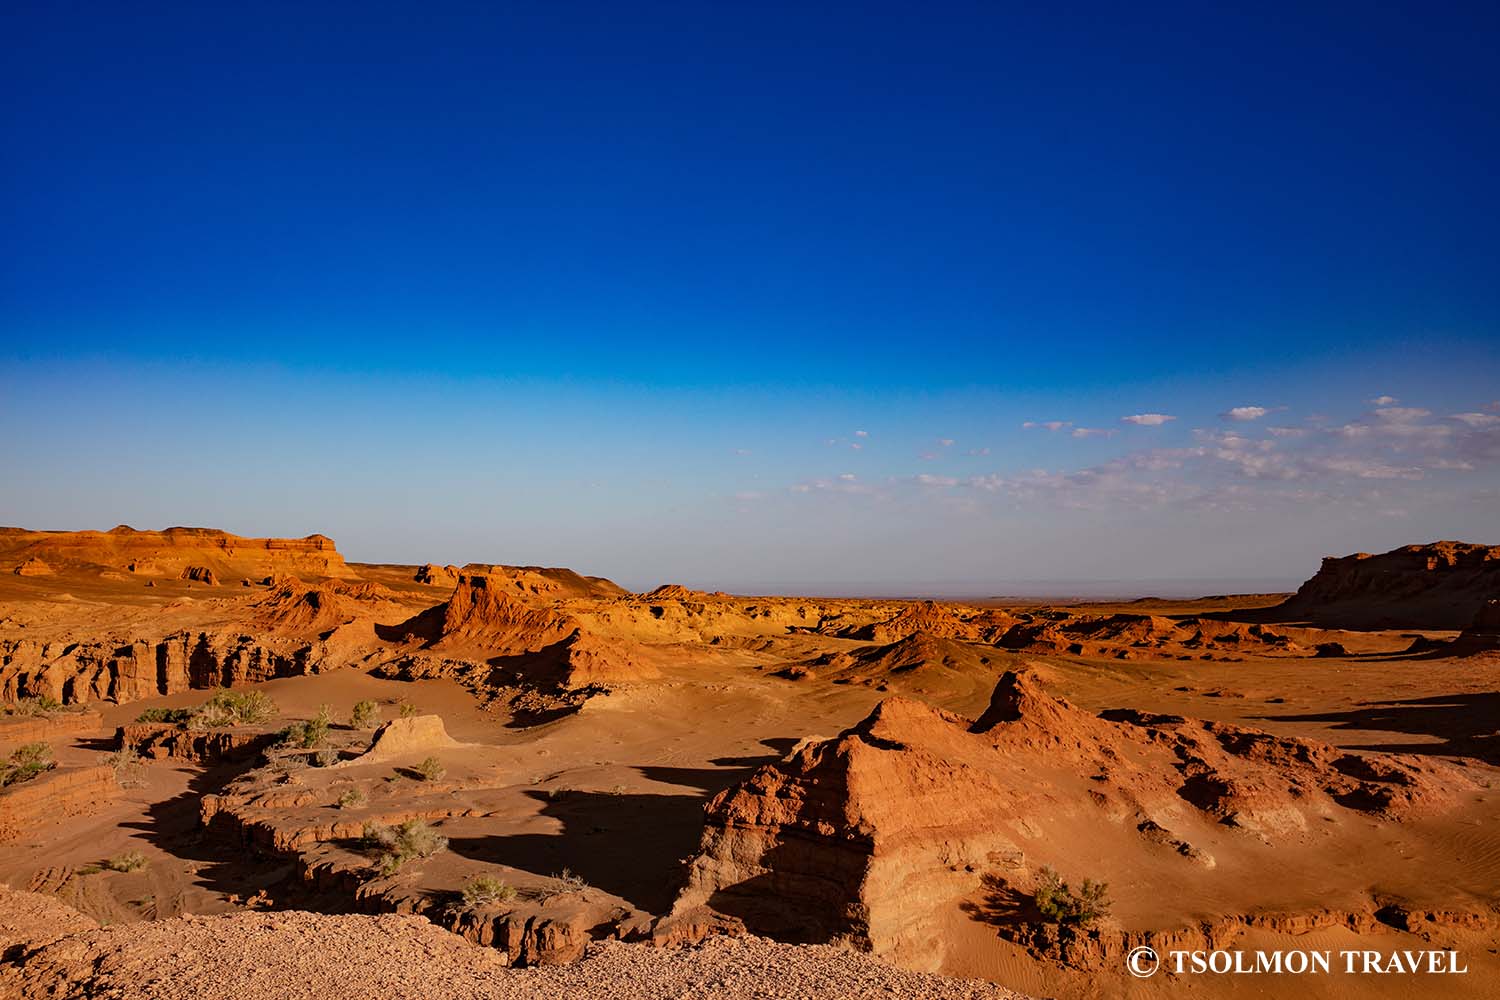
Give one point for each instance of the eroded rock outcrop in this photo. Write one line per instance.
(873, 838)
(1441, 586)
(52, 795)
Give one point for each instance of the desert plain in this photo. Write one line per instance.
(249, 767)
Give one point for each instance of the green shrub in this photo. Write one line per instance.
(234, 708)
(40, 705)
(482, 890)
(26, 763)
(366, 715)
(406, 709)
(431, 769)
(1060, 905)
(172, 715)
(352, 798)
(128, 862)
(310, 734)
(402, 843)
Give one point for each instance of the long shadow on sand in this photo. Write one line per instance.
(1467, 724)
(172, 826)
(633, 845)
(629, 845)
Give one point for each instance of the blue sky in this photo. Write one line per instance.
(619, 289)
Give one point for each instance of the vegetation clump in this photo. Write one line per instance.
(225, 708)
(563, 883)
(407, 710)
(127, 766)
(234, 708)
(310, 734)
(1059, 904)
(168, 715)
(365, 715)
(431, 769)
(352, 798)
(402, 843)
(128, 862)
(39, 706)
(484, 890)
(26, 763)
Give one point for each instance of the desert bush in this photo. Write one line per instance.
(365, 715)
(402, 843)
(234, 708)
(127, 766)
(128, 862)
(406, 709)
(483, 890)
(352, 798)
(431, 769)
(326, 757)
(26, 763)
(310, 734)
(562, 883)
(172, 715)
(40, 705)
(1059, 904)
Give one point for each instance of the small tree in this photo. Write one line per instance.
(1060, 905)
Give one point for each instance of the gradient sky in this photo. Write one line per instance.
(862, 298)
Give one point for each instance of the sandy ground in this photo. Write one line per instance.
(615, 794)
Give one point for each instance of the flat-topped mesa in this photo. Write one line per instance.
(876, 837)
(173, 552)
(1440, 586)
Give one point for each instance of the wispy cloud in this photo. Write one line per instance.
(1047, 425)
(1244, 413)
(1088, 432)
(1384, 401)
(1147, 419)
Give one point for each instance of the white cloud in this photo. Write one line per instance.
(927, 480)
(861, 434)
(1047, 425)
(1384, 401)
(1401, 414)
(1477, 420)
(945, 442)
(1245, 413)
(1088, 432)
(977, 452)
(1147, 419)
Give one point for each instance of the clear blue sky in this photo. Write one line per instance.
(618, 286)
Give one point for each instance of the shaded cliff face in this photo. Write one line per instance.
(878, 837)
(173, 552)
(1439, 586)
